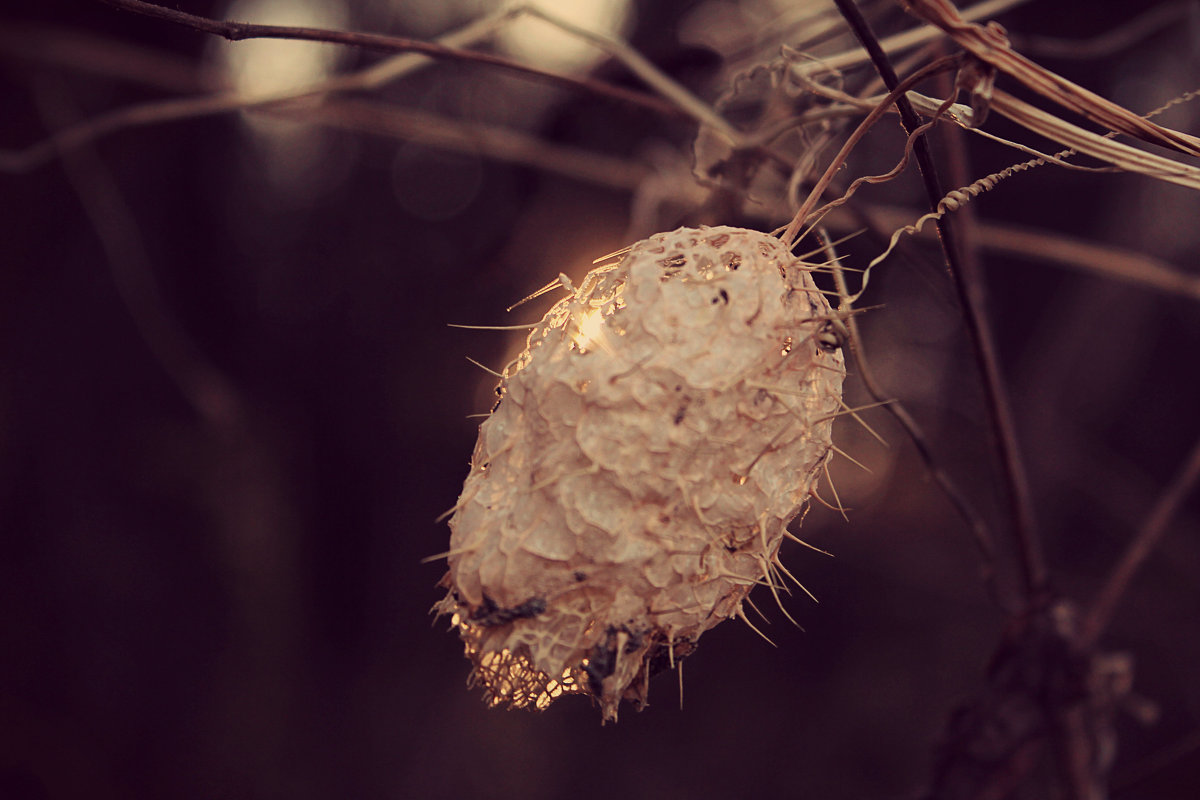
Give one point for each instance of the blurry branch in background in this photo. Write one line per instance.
(447, 47)
(216, 400)
(1119, 39)
(1140, 547)
(123, 61)
(476, 138)
(414, 55)
(982, 534)
(111, 58)
(1103, 261)
(162, 70)
(210, 393)
(986, 43)
(650, 74)
(802, 26)
(371, 78)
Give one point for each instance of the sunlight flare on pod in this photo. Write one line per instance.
(636, 479)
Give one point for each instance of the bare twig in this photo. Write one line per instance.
(238, 31)
(385, 43)
(972, 294)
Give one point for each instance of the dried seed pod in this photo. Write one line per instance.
(663, 425)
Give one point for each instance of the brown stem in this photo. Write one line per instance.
(972, 295)
(897, 92)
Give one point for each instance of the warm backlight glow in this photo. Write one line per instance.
(259, 67)
(545, 45)
(589, 331)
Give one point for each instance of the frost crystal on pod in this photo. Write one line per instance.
(663, 425)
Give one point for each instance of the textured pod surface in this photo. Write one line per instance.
(664, 424)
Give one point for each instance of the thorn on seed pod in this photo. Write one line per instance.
(663, 425)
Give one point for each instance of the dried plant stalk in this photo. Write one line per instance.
(664, 424)
(990, 45)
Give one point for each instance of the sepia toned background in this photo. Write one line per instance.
(231, 409)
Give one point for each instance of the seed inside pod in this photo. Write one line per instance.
(663, 425)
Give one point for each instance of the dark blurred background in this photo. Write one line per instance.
(231, 410)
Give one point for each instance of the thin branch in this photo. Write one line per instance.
(1140, 547)
(972, 294)
(239, 31)
(968, 221)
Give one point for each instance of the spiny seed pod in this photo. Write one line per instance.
(664, 424)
